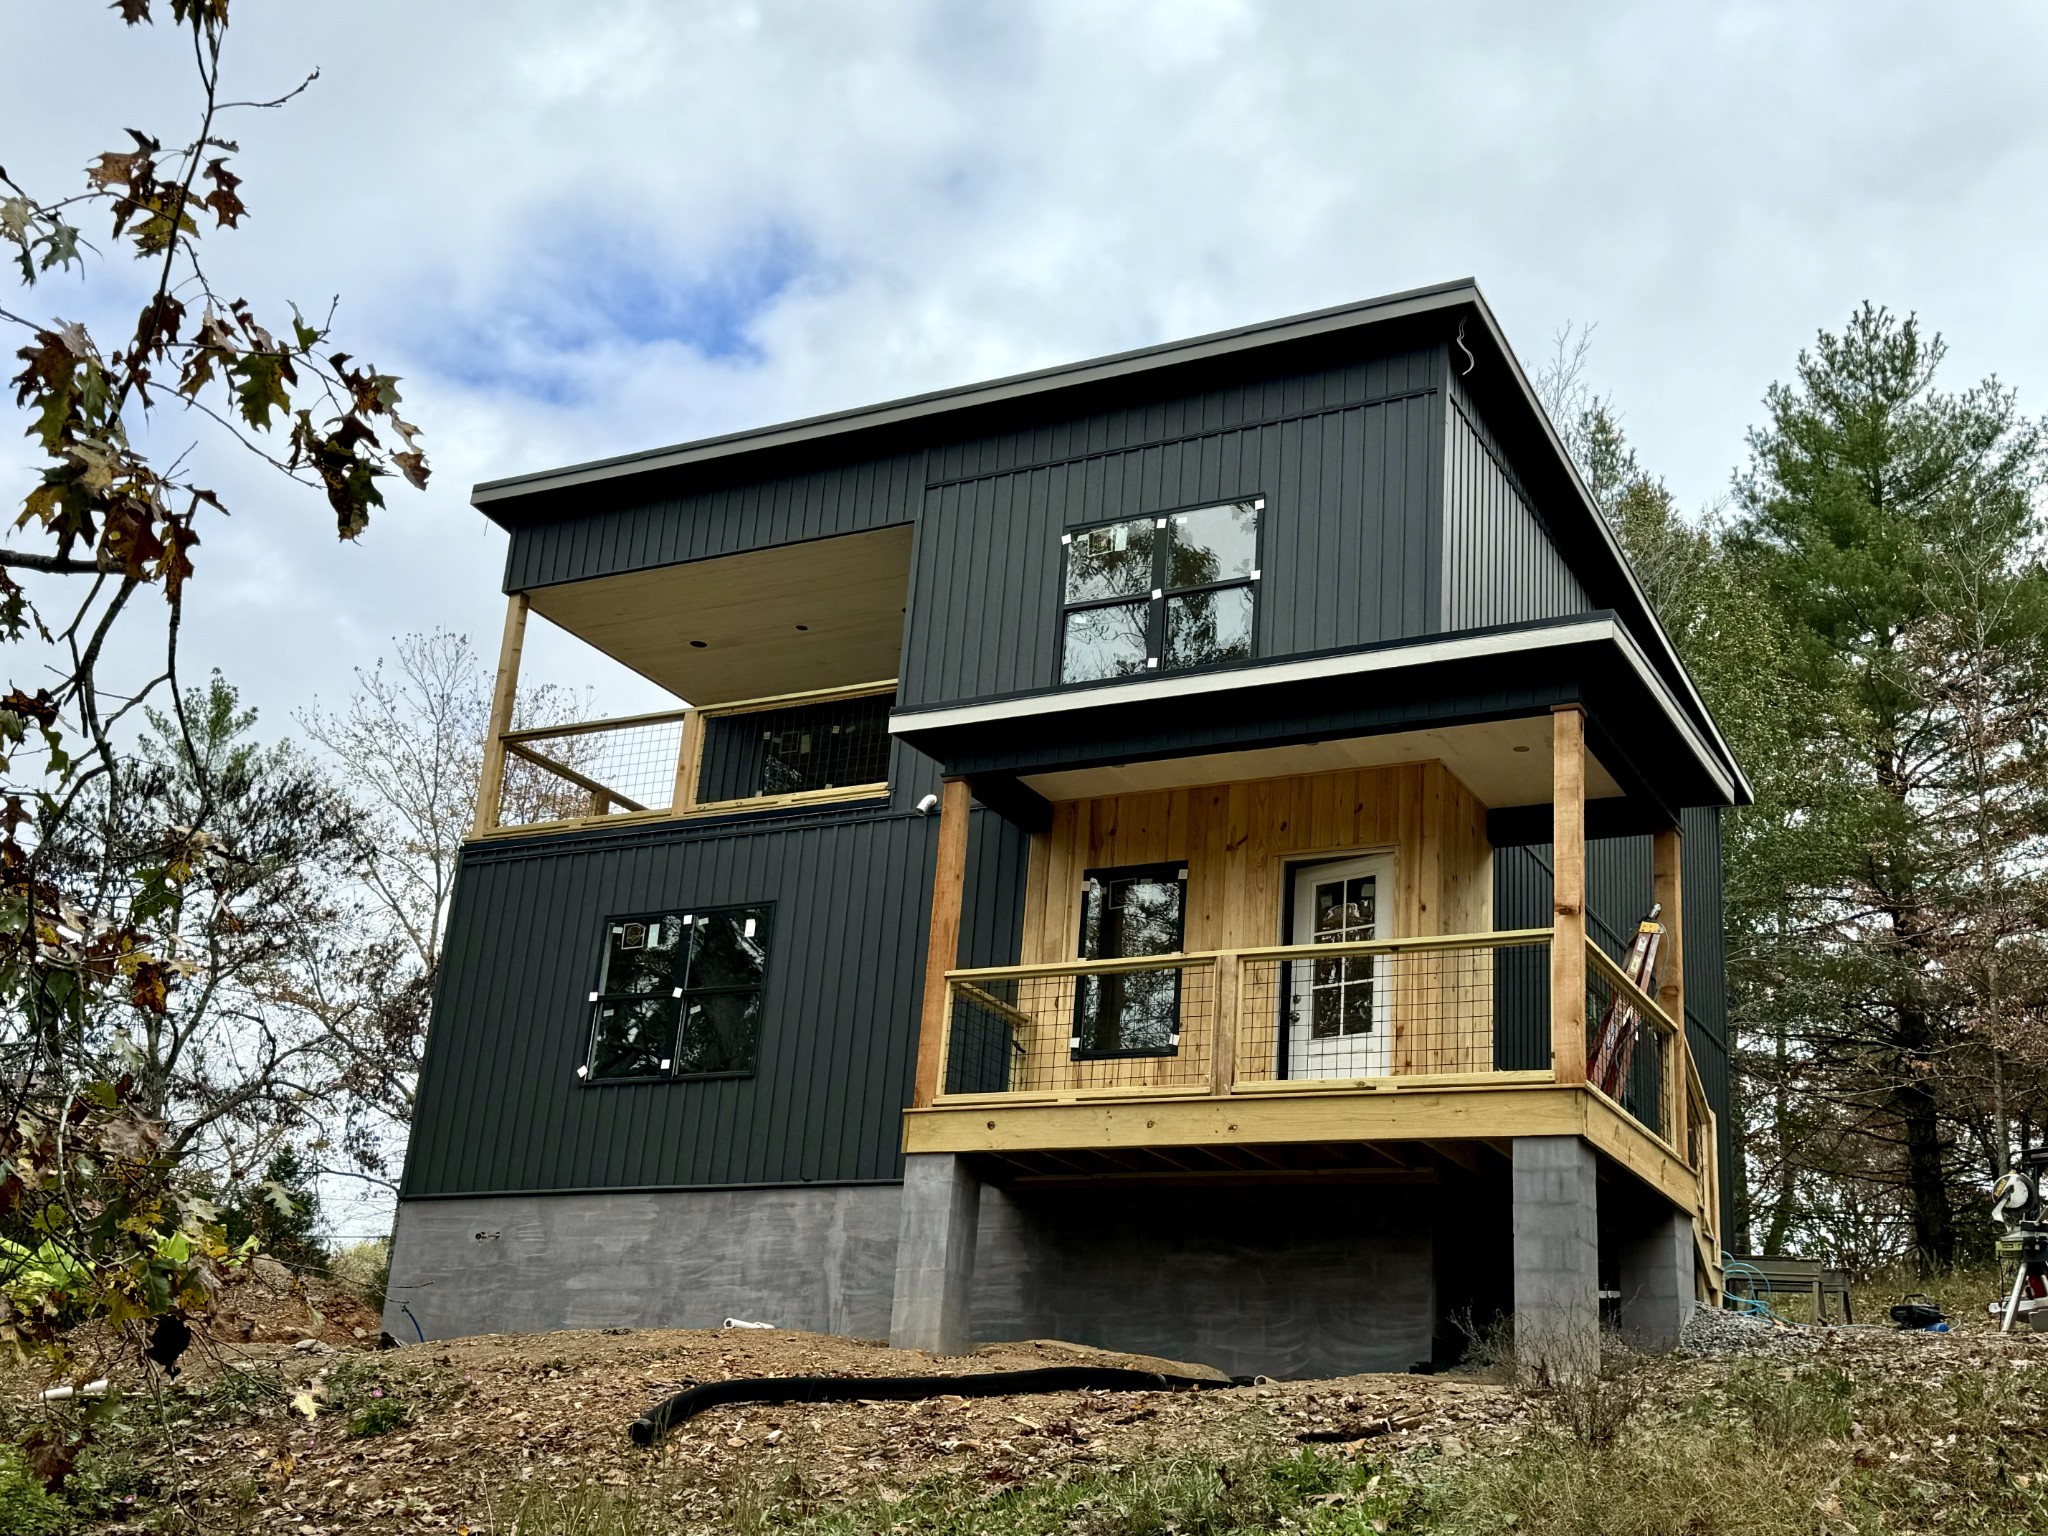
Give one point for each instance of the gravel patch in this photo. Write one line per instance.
(1717, 1331)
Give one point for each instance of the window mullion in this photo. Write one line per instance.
(1155, 617)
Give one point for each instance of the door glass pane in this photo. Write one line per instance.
(1205, 627)
(730, 948)
(1213, 544)
(1358, 1004)
(632, 1037)
(640, 955)
(1115, 561)
(1104, 642)
(1341, 1003)
(719, 1033)
(1326, 1013)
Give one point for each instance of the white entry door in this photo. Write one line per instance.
(1337, 1008)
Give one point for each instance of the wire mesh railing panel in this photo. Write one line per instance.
(1124, 1027)
(1404, 1013)
(583, 772)
(796, 749)
(1627, 1054)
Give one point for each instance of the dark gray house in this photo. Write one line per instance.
(1151, 856)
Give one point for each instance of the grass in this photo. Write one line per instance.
(1961, 1293)
(1187, 1496)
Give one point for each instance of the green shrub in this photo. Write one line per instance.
(26, 1508)
(378, 1415)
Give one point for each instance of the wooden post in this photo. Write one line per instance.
(503, 692)
(1223, 1031)
(1668, 889)
(942, 949)
(1568, 859)
(689, 764)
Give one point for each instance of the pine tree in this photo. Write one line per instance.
(1894, 532)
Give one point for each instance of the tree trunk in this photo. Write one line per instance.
(1934, 1228)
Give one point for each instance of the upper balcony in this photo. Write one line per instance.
(782, 665)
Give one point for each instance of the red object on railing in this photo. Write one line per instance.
(1615, 1049)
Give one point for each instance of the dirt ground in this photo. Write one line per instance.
(320, 1433)
(483, 1414)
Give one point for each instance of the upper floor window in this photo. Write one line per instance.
(1160, 592)
(679, 996)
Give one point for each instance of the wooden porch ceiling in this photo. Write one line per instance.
(827, 613)
(1503, 762)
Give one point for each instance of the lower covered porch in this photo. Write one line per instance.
(1258, 996)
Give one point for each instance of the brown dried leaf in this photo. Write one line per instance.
(227, 206)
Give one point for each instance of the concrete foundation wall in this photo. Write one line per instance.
(817, 1259)
(1303, 1282)
(1280, 1282)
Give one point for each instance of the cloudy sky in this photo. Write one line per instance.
(582, 230)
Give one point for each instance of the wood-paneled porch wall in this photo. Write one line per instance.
(1236, 840)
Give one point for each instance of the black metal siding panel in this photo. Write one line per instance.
(731, 767)
(500, 1107)
(632, 525)
(1347, 458)
(1499, 563)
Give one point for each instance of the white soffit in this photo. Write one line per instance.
(847, 592)
(1503, 763)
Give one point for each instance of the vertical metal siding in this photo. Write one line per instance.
(500, 1106)
(1499, 564)
(1347, 458)
(632, 525)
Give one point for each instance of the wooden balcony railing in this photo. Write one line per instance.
(1461, 1010)
(1253, 1020)
(641, 767)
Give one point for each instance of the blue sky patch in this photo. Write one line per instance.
(581, 294)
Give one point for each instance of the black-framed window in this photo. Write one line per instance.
(1125, 915)
(1160, 592)
(679, 995)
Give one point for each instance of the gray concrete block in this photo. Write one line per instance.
(822, 1259)
(1556, 1255)
(1656, 1279)
(935, 1249)
(1302, 1281)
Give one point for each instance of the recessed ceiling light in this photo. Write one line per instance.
(698, 645)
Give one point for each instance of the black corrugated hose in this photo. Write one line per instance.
(667, 1414)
